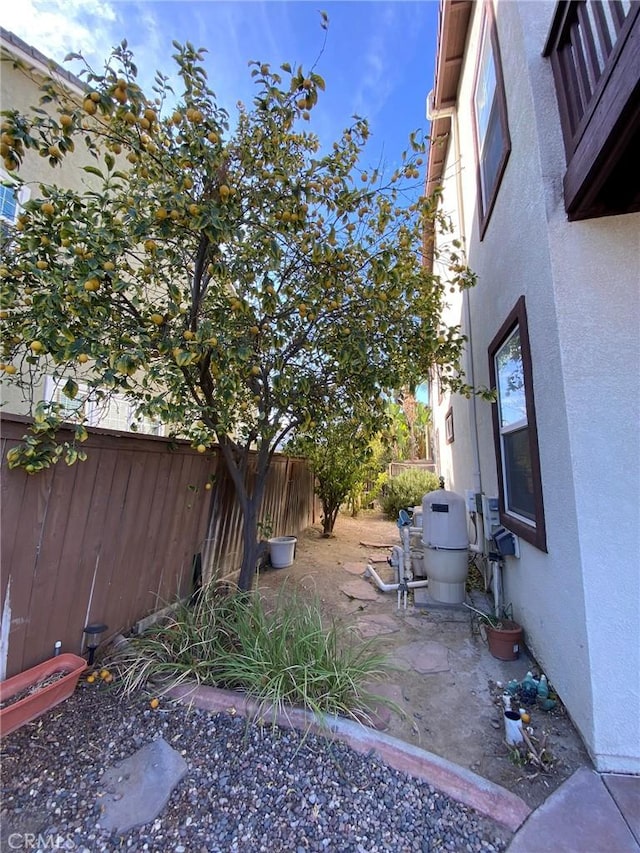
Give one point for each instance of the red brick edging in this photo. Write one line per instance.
(451, 779)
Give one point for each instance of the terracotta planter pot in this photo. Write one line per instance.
(40, 701)
(504, 642)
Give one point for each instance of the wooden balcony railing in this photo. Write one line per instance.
(594, 48)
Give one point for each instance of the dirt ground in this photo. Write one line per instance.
(453, 706)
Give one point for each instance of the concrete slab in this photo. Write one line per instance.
(625, 790)
(361, 590)
(376, 625)
(354, 568)
(137, 789)
(424, 657)
(579, 816)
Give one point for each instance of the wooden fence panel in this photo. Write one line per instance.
(112, 539)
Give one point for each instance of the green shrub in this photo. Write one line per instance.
(280, 655)
(407, 490)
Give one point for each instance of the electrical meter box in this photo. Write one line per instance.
(490, 516)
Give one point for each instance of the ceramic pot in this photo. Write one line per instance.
(43, 699)
(504, 642)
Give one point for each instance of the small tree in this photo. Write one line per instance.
(337, 453)
(237, 285)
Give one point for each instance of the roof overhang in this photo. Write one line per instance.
(18, 51)
(453, 27)
(452, 39)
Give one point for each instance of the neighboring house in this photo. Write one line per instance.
(20, 91)
(536, 132)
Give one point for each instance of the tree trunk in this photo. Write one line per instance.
(250, 505)
(250, 545)
(329, 515)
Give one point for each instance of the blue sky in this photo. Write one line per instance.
(378, 60)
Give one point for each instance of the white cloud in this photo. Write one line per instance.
(58, 27)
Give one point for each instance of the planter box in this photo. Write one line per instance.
(37, 703)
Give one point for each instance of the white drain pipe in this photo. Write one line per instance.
(400, 557)
(401, 587)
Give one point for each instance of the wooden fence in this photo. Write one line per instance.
(113, 539)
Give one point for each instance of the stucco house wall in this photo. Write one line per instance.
(580, 282)
(20, 89)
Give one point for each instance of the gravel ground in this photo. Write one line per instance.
(248, 788)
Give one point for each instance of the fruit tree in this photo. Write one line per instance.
(235, 283)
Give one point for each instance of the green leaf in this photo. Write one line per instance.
(93, 170)
(70, 389)
(184, 358)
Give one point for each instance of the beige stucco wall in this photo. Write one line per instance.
(580, 281)
(19, 91)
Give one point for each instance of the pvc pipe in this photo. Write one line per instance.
(513, 727)
(496, 583)
(370, 572)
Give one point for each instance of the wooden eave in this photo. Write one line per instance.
(14, 49)
(453, 29)
(452, 39)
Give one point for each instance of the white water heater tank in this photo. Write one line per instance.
(444, 520)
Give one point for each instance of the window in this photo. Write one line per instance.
(448, 426)
(516, 438)
(116, 412)
(12, 197)
(8, 202)
(493, 143)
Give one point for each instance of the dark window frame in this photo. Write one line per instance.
(485, 206)
(448, 426)
(533, 533)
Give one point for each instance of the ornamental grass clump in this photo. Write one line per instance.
(281, 654)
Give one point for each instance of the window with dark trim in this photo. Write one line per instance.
(492, 140)
(515, 432)
(448, 426)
